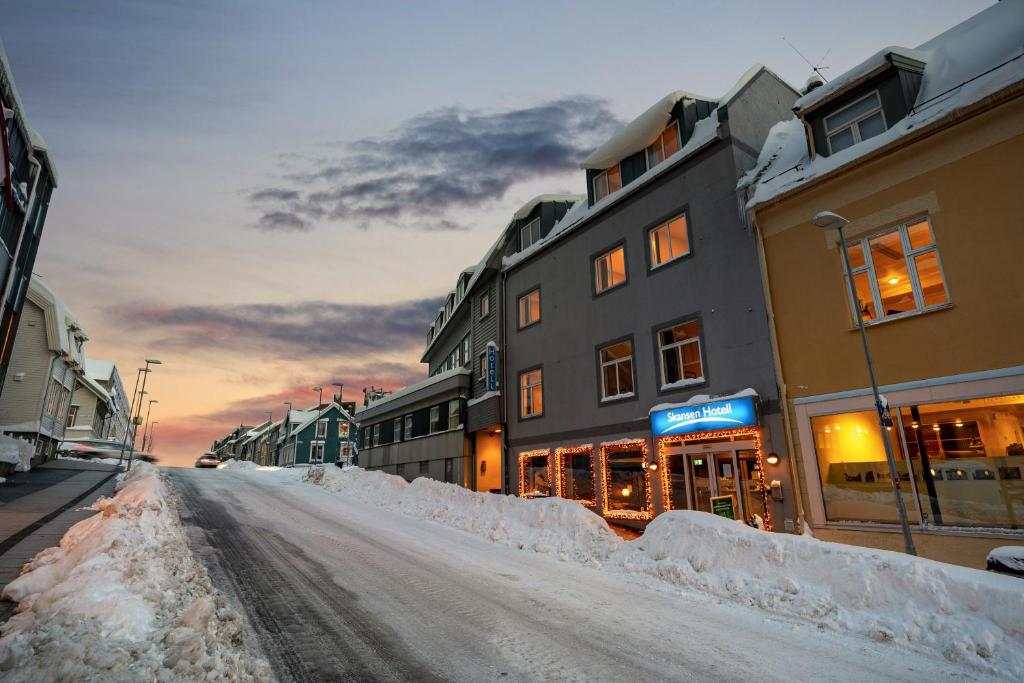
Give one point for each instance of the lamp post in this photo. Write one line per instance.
(145, 428)
(828, 220)
(145, 376)
(319, 412)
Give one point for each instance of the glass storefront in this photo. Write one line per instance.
(695, 475)
(626, 480)
(576, 469)
(967, 459)
(535, 474)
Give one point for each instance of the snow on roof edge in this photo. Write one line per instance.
(412, 388)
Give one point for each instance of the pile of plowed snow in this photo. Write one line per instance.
(964, 615)
(122, 599)
(550, 525)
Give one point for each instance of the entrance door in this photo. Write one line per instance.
(701, 485)
(720, 469)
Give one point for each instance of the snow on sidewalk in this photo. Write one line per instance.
(967, 616)
(122, 599)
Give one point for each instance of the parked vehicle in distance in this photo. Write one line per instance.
(92, 448)
(208, 460)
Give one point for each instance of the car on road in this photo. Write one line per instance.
(208, 460)
(88, 449)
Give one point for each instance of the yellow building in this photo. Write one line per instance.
(922, 150)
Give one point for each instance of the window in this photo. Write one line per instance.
(576, 472)
(366, 437)
(531, 393)
(72, 414)
(610, 269)
(606, 182)
(343, 428)
(529, 308)
(534, 474)
(679, 348)
(626, 482)
(665, 146)
(529, 233)
(855, 122)
(454, 416)
(485, 304)
(321, 429)
(53, 397)
(466, 343)
(316, 453)
(435, 419)
(396, 425)
(669, 241)
(424, 467)
(408, 426)
(376, 434)
(346, 449)
(897, 272)
(617, 371)
(483, 367)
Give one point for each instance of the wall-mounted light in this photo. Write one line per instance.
(772, 459)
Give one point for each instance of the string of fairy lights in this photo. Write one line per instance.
(626, 446)
(560, 475)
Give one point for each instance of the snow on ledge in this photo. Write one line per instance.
(702, 398)
(483, 397)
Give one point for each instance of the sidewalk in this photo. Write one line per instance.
(38, 507)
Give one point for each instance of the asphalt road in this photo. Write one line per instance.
(338, 591)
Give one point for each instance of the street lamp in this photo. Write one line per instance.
(133, 425)
(145, 429)
(827, 220)
(287, 424)
(321, 399)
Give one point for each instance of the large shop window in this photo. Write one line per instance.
(897, 272)
(679, 348)
(626, 485)
(617, 371)
(576, 474)
(535, 473)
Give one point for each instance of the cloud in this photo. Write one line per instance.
(305, 329)
(438, 162)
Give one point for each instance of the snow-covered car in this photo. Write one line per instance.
(208, 460)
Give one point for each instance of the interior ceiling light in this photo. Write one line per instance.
(894, 281)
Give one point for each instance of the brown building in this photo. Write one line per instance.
(922, 151)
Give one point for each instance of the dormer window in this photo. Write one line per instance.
(529, 233)
(606, 182)
(855, 122)
(665, 146)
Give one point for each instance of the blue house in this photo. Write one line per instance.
(324, 434)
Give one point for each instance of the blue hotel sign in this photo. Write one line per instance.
(492, 367)
(728, 414)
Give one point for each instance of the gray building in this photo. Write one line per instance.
(637, 325)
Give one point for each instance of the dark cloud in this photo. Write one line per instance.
(440, 161)
(306, 329)
(283, 221)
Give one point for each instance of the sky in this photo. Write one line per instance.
(267, 196)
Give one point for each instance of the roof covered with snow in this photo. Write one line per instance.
(866, 69)
(413, 388)
(99, 370)
(964, 66)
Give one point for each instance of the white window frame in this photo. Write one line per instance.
(519, 309)
(435, 419)
(485, 304)
(321, 429)
(408, 426)
(466, 351)
(602, 177)
(909, 259)
(527, 231)
(660, 145)
(376, 434)
(73, 415)
(605, 396)
(343, 429)
(526, 394)
(598, 289)
(855, 123)
(396, 428)
(313, 446)
(454, 403)
(677, 347)
(668, 233)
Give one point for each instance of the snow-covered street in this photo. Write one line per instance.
(339, 589)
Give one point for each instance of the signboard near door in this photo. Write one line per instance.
(724, 506)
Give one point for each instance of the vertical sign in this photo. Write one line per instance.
(492, 367)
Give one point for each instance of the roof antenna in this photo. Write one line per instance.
(817, 69)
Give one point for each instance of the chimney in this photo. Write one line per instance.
(813, 83)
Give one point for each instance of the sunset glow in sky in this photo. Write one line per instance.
(272, 195)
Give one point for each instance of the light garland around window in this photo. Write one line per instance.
(524, 457)
(560, 477)
(626, 446)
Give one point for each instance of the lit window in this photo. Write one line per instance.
(669, 241)
(897, 272)
(617, 371)
(679, 348)
(858, 121)
(610, 269)
(626, 482)
(529, 308)
(435, 419)
(529, 233)
(606, 182)
(531, 393)
(534, 474)
(485, 304)
(321, 429)
(72, 414)
(454, 416)
(343, 428)
(665, 146)
(576, 472)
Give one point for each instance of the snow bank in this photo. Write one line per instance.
(549, 525)
(233, 464)
(122, 599)
(965, 615)
(17, 452)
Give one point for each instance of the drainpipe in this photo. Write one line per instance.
(787, 427)
(505, 449)
(21, 234)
